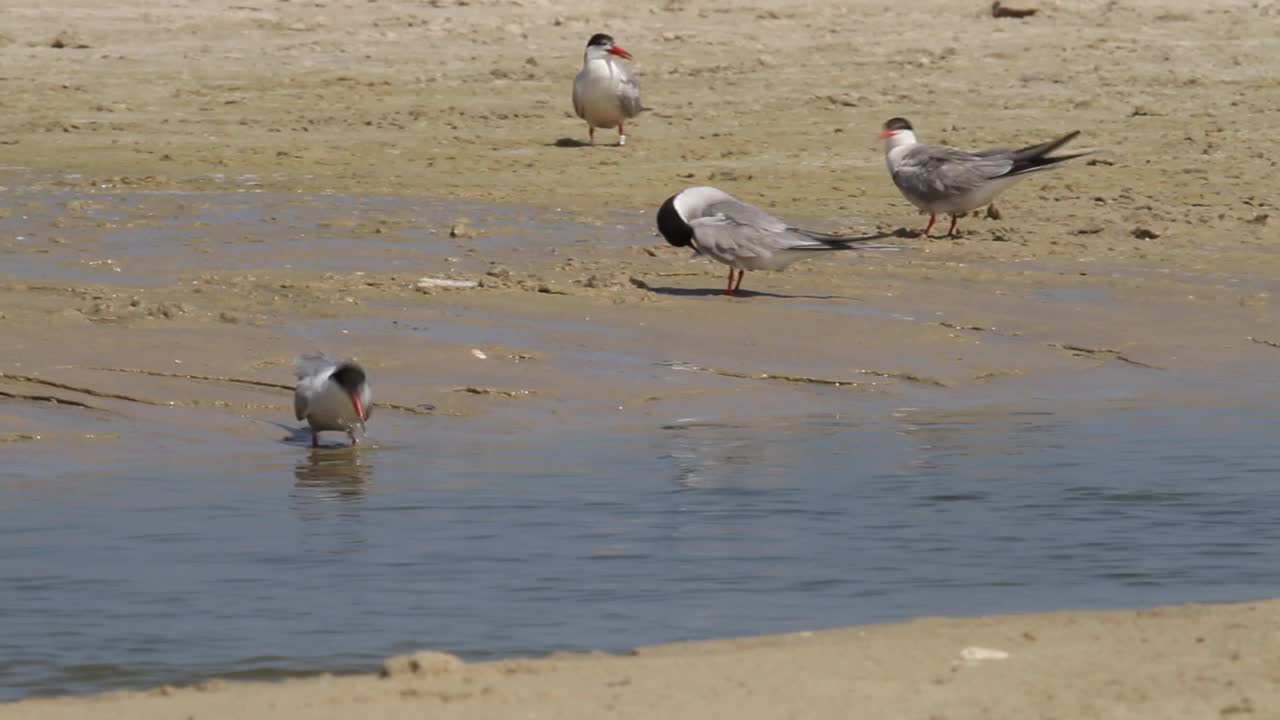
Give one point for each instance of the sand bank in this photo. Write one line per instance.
(1210, 661)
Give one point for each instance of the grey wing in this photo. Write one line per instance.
(741, 213)
(305, 366)
(629, 92)
(744, 231)
(721, 238)
(577, 93)
(932, 172)
(299, 404)
(733, 229)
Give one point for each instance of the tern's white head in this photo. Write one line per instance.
(897, 133)
(601, 46)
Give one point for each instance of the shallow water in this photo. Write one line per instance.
(261, 558)
(145, 238)
(177, 551)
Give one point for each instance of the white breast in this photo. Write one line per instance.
(597, 91)
(329, 407)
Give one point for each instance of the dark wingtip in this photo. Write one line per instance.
(1038, 155)
(672, 226)
(898, 123)
(600, 39)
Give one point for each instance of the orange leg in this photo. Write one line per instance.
(731, 287)
(932, 219)
(622, 135)
(591, 135)
(952, 230)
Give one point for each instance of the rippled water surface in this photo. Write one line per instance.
(181, 557)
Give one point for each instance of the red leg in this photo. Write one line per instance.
(622, 135)
(591, 135)
(932, 219)
(954, 219)
(738, 285)
(315, 439)
(728, 288)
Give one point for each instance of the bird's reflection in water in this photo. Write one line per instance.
(333, 473)
(329, 490)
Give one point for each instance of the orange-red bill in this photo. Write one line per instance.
(615, 50)
(355, 400)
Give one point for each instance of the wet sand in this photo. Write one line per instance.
(1151, 262)
(1185, 662)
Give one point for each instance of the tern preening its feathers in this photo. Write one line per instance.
(940, 179)
(331, 395)
(742, 236)
(605, 93)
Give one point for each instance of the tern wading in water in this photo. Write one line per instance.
(331, 395)
(605, 93)
(940, 179)
(744, 237)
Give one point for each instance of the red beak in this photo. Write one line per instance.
(615, 50)
(355, 400)
(886, 134)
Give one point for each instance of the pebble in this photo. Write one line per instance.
(430, 282)
(974, 654)
(461, 229)
(424, 662)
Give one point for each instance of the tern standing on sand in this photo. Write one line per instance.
(605, 93)
(331, 395)
(940, 179)
(743, 236)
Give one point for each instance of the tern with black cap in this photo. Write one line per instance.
(940, 179)
(744, 237)
(605, 93)
(331, 395)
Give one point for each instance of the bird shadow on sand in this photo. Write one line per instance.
(570, 143)
(711, 292)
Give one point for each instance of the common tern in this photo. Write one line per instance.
(331, 395)
(940, 179)
(605, 93)
(743, 236)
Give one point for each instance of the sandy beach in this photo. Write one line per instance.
(1156, 253)
(1186, 662)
